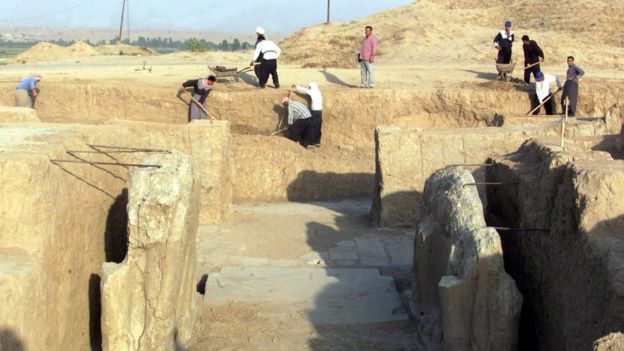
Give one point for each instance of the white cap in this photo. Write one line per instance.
(260, 30)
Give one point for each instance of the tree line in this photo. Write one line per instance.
(159, 44)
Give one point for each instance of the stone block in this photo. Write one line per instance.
(148, 300)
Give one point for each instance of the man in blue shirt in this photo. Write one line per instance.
(571, 87)
(26, 91)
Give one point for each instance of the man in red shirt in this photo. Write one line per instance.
(367, 58)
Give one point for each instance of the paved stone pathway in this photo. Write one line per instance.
(305, 277)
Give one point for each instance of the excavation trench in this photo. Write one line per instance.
(271, 168)
(562, 241)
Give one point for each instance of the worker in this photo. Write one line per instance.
(299, 121)
(201, 89)
(267, 52)
(503, 42)
(533, 56)
(543, 91)
(26, 91)
(259, 32)
(571, 87)
(316, 110)
(366, 58)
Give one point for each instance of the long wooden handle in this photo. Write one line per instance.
(279, 131)
(531, 65)
(543, 102)
(201, 107)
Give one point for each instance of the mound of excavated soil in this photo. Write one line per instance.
(44, 51)
(40, 52)
(611, 342)
(462, 31)
(123, 49)
(80, 49)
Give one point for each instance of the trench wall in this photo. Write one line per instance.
(406, 158)
(350, 115)
(59, 221)
(568, 267)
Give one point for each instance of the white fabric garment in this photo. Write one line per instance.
(542, 89)
(504, 36)
(315, 96)
(269, 50)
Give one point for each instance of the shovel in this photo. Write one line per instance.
(201, 107)
(543, 102)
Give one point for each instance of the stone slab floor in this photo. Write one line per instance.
(311, 276)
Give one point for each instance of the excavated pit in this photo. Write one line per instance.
(240, 165)
(343, 167)
(564, 247)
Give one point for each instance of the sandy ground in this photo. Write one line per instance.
(298, 236)
(320, 235)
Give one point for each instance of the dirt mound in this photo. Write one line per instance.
(611, 342)
(462, 31)
(42, 51)
(123, 49)
(81, 49)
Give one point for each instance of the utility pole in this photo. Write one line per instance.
(328, 11)
(128, 19)
(123, 9)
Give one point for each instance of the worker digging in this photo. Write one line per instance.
(201, 89)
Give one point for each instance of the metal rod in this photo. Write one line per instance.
(129, 149)
(471, 165)
(490, 183)
(72, 154)
(521, 229)
(109, 163)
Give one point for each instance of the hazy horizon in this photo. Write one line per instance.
(241, 16)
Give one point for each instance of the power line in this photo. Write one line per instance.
(68, 9)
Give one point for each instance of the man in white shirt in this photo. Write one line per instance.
(316, 109)
(268, 66)
(543, 91)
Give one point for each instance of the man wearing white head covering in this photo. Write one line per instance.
(26, 91)
(316, 109)
(266, 53)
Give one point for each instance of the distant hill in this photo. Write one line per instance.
(461, 31)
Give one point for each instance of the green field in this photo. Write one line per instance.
(8, 51)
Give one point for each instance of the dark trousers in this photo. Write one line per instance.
(570, 90)
(528, 71)
(316, 123)
(504, 55)
(257, 71)
(300, 131)
(550, 106)
(268, 67)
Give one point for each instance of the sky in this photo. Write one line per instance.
(237, 16)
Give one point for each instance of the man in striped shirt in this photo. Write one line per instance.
(299, 121)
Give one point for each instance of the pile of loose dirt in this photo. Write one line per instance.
(80, 49)
(123, 49)
(44, 51)
(462, 31)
